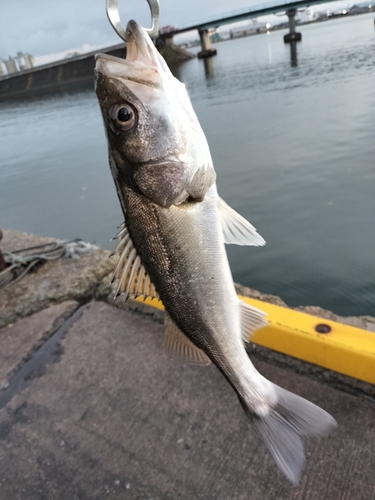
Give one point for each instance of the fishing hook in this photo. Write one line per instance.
(114, 18)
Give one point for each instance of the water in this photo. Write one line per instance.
(292, 142)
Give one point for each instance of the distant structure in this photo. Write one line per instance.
(307, 16)
(18, 63)
(249, 29)
(24, 61)
(215, 35)
(10, 65)
(362, 8)
(69, 55)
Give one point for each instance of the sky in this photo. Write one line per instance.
(48, 29)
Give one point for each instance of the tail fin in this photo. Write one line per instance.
(283, 428)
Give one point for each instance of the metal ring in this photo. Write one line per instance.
(114, 18)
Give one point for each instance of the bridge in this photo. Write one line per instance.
(203, 27)
(80, 68)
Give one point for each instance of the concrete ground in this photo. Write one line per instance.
(91, 407)
(106, 414)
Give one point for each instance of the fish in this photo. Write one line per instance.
(172, 243)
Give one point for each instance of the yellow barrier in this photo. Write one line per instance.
(344, 349)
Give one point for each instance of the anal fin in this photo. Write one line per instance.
(179, 346)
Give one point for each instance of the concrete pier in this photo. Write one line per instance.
(293, 35)
(207, 50)
(91, 407)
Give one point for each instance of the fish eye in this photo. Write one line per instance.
(123, 115)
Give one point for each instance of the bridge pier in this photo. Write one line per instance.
(293, 54)
(293, 35)
(209, 69)
(207, 50)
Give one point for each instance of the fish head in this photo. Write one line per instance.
(155, 140)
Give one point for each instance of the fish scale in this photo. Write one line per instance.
(190, 279)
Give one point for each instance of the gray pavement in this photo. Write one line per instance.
(19, 341)
(106, 415)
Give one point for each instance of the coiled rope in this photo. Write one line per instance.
(20, 265)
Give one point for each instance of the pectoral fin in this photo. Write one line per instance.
(203, 179)
(251, 319)
(133, 280)
(179, 346)
(236, 229)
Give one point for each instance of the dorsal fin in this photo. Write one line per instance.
(179, 346)
(132, 277)
(236, 229)
(251, 319)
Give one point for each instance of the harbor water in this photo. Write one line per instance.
(292, 137)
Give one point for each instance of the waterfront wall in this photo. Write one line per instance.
(74, 70)
(54, 74)
(98, 275)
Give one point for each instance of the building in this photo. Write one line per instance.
(214, 35)
(361, 8)
(24, 61)
(248, 29)
(11, 65)
(307, 16)
(14, 64)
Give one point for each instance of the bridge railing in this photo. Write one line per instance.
(235, 13)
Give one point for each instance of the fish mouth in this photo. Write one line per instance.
(107, 57)
(112, 66)
(167, 160)
(143, 63)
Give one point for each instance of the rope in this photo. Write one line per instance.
(20, 265)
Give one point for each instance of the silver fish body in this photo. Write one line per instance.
(172, 243)
(183, 250)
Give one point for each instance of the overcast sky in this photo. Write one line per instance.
(42, 27)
